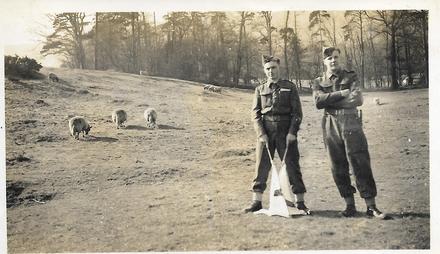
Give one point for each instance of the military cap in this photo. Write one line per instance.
(266, 59)
(328, 51)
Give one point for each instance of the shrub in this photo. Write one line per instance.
(23, 67)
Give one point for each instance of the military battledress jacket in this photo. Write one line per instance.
(276, 102)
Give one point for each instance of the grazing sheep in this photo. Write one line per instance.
(215, 89)
(376, 101)
(151, 117)
(77, 125)
(53, 77)
(144, 73)
(119, 116)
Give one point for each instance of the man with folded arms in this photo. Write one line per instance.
(338, 93)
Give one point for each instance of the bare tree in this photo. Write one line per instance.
(267, 15)
(67, 39)
(244, 16)
(392, 20)
(316, 22)
(355, 20)
(96, 40)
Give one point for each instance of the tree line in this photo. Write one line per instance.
(385, 48)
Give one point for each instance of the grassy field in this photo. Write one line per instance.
(183, 186)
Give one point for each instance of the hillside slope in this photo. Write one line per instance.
(183, 186)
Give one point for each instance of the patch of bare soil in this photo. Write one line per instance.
(183, 185)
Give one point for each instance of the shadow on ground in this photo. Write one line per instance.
(409, 214)
(169, 127)
(360, 214)
(101, 139)
(136, 127)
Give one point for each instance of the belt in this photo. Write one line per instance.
(344, 111)
(277, 118)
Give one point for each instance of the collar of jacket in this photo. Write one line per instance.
(272, 84)
(326, 81)
(269, 87)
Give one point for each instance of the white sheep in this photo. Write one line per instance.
(151, 117)
(53, 77)
(144, 73)
(376, 101)
(217, 89)
(212, 88)
(119, 116)
(77, 125)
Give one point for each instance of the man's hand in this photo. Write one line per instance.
(355, 92)
(353, 99)
(264, 138)
(345, 92)
(290, 138)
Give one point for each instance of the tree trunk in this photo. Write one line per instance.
(373, 55)
(294, 50)
(297, 55)
(96, 41)
(133, 47)
(349, 63)
(269, 30)
(362, 51)
(236, 76)
(334, 32)
(321, 66)
(425, 46)
(82, 56)
(393, 56)
(387, 57)
(155, 46)
(247, 47)
(408, 57)
(286, 62)
(138, 46)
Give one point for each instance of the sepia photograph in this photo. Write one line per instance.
(185, 127)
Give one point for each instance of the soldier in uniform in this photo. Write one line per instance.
(277, 115)
(338, 93)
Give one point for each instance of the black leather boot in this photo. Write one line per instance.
(301, 206)
(350, 211)
(255, 206)
(372, 211)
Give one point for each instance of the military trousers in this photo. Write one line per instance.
(277, 132)
(347, 147)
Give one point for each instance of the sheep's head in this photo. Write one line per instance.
(87, 129)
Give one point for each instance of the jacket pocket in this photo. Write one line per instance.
(352, 123)
(266, 100)
(285, 97)
(354, 135)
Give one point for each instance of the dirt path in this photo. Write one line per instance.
(183, 186)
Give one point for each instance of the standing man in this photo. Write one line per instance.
(338, 93)
(277, 115)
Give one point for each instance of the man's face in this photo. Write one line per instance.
(332, 62)
(272, 70)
